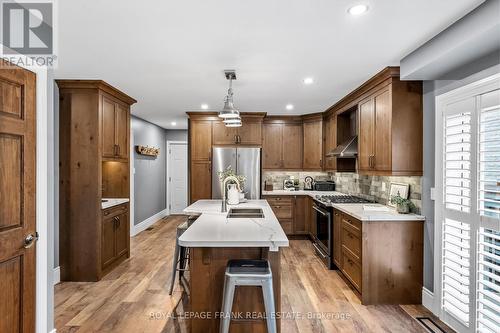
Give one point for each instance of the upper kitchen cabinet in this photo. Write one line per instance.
(330, 142)
(282, 143)
(250, 133)
(313, 142)
(390, 130)
(389, 125)
(115, 128)
(200, 139)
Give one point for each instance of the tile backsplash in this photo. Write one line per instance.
(277, 177)
(374, 188)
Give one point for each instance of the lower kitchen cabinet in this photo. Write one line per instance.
(115, 236)
(292, 212)
(383, 260)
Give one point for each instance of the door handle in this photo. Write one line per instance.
(30, 240)
(319, 251)
(373, 161)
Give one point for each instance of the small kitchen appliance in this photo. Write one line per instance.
(324, 185)
(291, 184)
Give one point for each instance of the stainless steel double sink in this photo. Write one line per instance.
(245, 213)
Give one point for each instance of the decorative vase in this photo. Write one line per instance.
(403, 209)
(233, 196)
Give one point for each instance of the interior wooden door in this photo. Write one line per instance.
(108, 128)
(293, 141)
(313, 145)
(366, 134)
(201, 180)
(17, 200)
(272, 146)
(382, 161)
(122, 130)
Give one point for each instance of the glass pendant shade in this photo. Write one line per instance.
(231, 120)
(238, 124)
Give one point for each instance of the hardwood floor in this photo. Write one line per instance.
(134, 297)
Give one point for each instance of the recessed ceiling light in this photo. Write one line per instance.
(204, 106)
(173, 123)
(358, 10)
(289, 107)
(308, 80)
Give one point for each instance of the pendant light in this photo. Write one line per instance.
(229, 111)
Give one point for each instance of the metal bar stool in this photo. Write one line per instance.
(243, 272)
(181, 256)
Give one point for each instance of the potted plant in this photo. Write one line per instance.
(230, 172)
(403, 206)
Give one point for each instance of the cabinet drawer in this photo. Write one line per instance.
(285, 200)
(351, 224)
(115, 210)
(287, 226)
(351, 240)
(351, 269)
(282, 211)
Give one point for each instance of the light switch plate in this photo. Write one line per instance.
(433, 195)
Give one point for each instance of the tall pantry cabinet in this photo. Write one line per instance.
(94, 144)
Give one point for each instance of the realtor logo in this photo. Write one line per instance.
(28, 30)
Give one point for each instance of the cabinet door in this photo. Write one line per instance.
(122, 130)
(313, 148)
(107, 242)
(108, 128)
(223, 135)
(272, 145)
(337, 243)
(383, 147)
(330, 143)
(122, 234)
(300, 226)
(201, 140)
(293, 141)
(201, 180)
(366, 134)
(250, 132)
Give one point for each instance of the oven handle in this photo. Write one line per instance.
(320, 211)
(319, 250)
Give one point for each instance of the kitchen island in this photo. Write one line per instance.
(214, 239)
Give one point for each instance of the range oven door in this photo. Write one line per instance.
(323, 237)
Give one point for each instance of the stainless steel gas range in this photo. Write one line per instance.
(323, 233)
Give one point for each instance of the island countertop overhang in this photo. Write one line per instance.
(213, 229)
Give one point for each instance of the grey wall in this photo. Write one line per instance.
(177, 135)
(150, 173)
(481, 68)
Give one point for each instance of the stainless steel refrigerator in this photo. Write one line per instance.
(244, 161)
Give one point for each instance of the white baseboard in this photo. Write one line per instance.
(53, 331)
(57, 276)
(148, 222)
(428, 299)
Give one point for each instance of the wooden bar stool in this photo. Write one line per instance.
(243, 272)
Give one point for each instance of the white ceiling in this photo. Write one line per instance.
(170, 55)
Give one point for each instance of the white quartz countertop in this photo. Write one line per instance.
(111, 202)
(214, 229)
(365, 214)
(356, 210)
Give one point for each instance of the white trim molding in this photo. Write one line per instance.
(428, 300)
(148, 222)
(57, 275)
